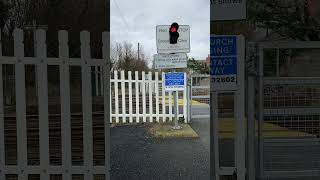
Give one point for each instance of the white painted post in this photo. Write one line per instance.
(163, 100)
(65, 105)
(106, 97)
(157, 95)
(137, 96)
(130, 96)
(96, 71)
(170, 106)
(21, 104)
(86, 104)
(42, 74)
(2, 154)
(110, 93)
(150, 97)
(185, 102)
(251, 130)
(123, 97)
(144, 96)
(101, 79)
(116, 98)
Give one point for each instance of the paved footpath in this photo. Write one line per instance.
(137, 156)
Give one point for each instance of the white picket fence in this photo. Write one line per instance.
(141, 100)
(16, 161)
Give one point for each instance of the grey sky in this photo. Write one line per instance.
(135, 21)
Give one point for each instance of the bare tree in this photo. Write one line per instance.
(124, 57)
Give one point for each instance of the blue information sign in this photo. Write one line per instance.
(223, 56)
(174, 81)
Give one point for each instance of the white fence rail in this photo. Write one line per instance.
(69, 143)
(139, 97)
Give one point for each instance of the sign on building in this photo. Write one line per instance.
(174, 81)
(170, 61)
(222, 10)
(163, 40)
(225, 52)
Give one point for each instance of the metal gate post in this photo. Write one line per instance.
(240, 148)
(251, 130)
(188, 99)
(260, 111)
(214, 145)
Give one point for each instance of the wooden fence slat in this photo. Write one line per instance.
(157, 95)
(42, 77)
(123, 97)
(116, 96)
(137, 96)
(150, 97)
(130, 96)
(170, 105)
(65, 104)
(21, 106)
(86, 103)
(96, 80)
(164, 117)
(144, 96)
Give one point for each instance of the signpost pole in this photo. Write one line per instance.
(176, 109)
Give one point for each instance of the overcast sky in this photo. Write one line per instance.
(135, 21)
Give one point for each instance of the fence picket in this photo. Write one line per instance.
(144, 106)
(157, 95)
(65, 103)
(170, 105)
(150, 97)
(21, 106)
(86, 103)
(164, 117)
(123, 97)
(42, 73)
(116, 96)
(137, 96)
(130, 96)
(96, 80)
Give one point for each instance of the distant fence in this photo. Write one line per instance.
(139, 97)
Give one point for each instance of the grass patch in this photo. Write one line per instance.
(180, 101)
(164, 130)
(227, 130)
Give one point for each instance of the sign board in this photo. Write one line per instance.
(222, 10)
(174, 81)
(163, 40)
(225, 54)
(170, 61)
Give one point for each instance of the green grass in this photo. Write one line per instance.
(164, 130)
(227, 130)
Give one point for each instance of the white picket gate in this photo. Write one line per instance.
(136, 99)
(68, 145)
